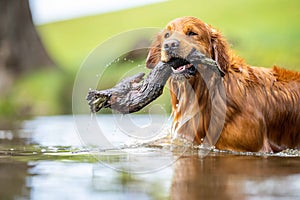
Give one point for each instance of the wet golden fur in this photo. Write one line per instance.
(262, 104)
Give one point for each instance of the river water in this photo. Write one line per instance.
(48, 159)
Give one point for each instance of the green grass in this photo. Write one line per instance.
(43, 88)
(263, 32)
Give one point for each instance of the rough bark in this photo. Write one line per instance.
(21, 49)
(132, 93)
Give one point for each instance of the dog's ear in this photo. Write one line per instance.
(154, 53)
(220, 50)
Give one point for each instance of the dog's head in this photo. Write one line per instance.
(177, 40)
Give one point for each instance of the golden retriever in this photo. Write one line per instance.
(261, 107)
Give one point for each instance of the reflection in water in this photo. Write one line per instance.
(235, 177)
(45, 160)
(13, 180)
(119, 184)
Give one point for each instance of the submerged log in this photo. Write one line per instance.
(132, 93)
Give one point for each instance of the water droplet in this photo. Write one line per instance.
(93, 115)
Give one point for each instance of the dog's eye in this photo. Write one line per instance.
(191, 33)
(167, 35)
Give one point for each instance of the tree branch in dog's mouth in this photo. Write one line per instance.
(134, 93)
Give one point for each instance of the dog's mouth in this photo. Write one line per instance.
(182, 66)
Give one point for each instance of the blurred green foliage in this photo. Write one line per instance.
(263, 32)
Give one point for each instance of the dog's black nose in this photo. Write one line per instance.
(170, 45)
